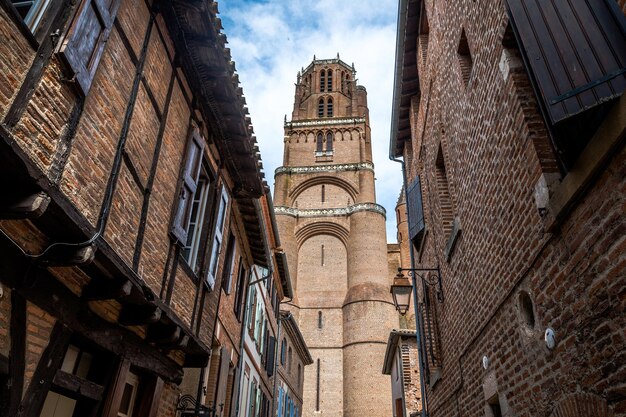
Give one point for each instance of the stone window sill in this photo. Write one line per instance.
(592, 161)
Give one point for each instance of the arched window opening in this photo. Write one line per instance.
(322, 257)
(299, 375)
(283, 352)
(329, 107)
(320, 108)
(329, 142)
(323, 193)
(322, 81)
(343, 81)
(289, 359)
(319, 143)
(319, 319)
(329, 80)
(526, 307)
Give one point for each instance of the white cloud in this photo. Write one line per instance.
(271, 41)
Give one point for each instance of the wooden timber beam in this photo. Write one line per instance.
(28, 207)
(139, 314)
(53, 297)
(106, 289)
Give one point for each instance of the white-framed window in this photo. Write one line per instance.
(217, 237)
(191, 249)
(129, 396)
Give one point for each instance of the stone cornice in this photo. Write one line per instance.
(330, 212)
(325, 168)
(325, 122)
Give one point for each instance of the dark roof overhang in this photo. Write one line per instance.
(392, 345)
(206, 61)
(406, 81)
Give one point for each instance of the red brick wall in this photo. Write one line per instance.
(38, 328)
(497, 150)
(17, 55)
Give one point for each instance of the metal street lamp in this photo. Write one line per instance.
(401, 292)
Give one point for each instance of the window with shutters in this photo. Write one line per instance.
(320, 108)
(415, 210)
(283, 352)
(31, 11)
(217, 240)
(191, 248)
(86, 38)
(322, 81)
(575, 54)
(229, 263)
(329, 107)
(241, 289)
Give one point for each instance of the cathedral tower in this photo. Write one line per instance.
(334, 234)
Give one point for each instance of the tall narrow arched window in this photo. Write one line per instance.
(323, 193)
(329, 80)
(329, 107)
(343, 81)
(322, 81)
(319, 143)
(329, 142)
(322, 256)
(320, 108)
(283, 352)
(319, 319)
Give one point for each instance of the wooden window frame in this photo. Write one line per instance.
(82, 63)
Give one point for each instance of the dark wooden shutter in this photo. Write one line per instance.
(415, 210)
(271, 355)
(193, 163)
(85, 40)
(576, 50)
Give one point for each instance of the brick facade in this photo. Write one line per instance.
(525, 242)
(99, 289)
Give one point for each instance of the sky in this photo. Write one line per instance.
(271, 41)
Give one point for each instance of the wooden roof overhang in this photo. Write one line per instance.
(406, 83)
(211, 74)
(210, 71)
(291, 327)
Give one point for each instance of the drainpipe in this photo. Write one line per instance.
(418, 317)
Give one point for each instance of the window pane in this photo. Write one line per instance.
(126, 399)
(57, 405)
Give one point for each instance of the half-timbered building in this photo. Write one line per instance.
(130, 185)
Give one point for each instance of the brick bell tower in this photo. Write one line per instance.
(334, 235)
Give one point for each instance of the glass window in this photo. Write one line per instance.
(191, 250)
(31, 11)
(217, 237)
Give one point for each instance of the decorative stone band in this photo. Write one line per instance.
(330, 212)
(325, 122)
(325, 168)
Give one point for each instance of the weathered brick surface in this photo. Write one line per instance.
(38, 328)
(495, 149)
(17, 55)
(142, 135)
(123, 224)
(89, 165)
(169, 399)
(133, 17)
(45, 120)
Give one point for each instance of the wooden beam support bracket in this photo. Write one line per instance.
(29, 207)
